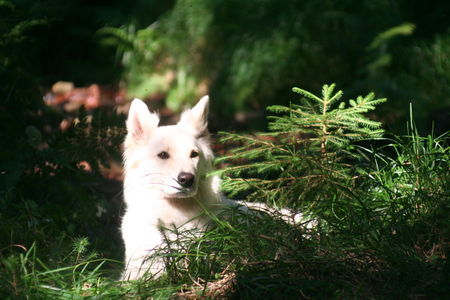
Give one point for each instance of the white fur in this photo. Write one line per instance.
(154, 197)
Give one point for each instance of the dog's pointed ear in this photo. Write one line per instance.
(140, 122)
(196, 119)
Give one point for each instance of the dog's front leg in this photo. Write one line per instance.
(142, 261)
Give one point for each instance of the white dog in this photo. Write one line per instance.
(165, 182)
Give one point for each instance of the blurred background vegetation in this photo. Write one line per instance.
(248, 54)
(245, 54)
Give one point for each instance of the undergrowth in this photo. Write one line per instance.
(380, 204)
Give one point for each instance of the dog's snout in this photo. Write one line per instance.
(185, 179)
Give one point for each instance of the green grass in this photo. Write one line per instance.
(395, 244)
(386, 235)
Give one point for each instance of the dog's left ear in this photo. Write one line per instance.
(196, 119)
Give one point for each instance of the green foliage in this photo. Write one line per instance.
(326, 121)
(47, 197)
(380, 210)
(151, 65)
(25, 275)
(45, 193)
(246, 57)
(46, 175)
(305, 150)
(135, 48)
(410, 190)
(42, 27)
(382, 219)
(384, 37)
(17, 83)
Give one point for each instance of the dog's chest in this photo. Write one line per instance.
(165, 213)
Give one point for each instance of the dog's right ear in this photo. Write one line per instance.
(141, 122)
(195, 119)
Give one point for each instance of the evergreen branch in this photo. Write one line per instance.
(336, 97)
(307, 94)
(327, 90)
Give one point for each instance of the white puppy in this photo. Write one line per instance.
(165, 182)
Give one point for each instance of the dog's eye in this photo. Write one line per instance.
(163, 155)
(194, 154)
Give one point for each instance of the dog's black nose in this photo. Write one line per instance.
(186, 180)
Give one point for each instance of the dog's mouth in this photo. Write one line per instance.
(181, 192)
(185, 185)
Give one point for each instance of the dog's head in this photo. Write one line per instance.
(170, 159)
